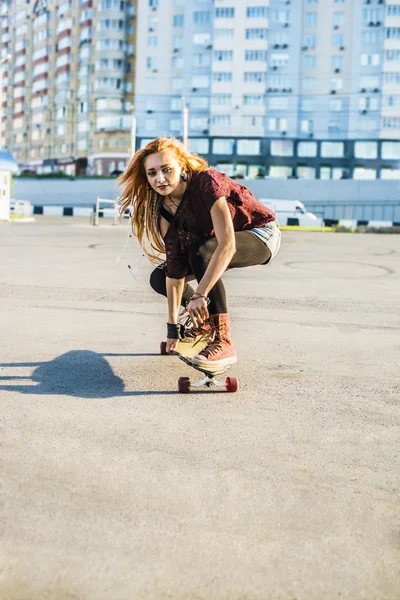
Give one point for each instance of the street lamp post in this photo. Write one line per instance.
(2, 61)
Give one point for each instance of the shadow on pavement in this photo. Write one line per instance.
(79, 373)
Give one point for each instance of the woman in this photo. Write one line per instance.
(205, 223)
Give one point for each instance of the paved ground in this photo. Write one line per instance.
(116, 487)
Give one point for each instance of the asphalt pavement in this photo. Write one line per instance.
(117, 487)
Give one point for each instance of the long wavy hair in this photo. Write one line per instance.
(143, 201)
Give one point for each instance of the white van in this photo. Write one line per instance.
(291, 209)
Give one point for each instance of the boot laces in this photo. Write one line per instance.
(206, 330)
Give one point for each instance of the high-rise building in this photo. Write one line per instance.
(303, 88)
(68, 84)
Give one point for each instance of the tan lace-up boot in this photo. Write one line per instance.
(220, 350)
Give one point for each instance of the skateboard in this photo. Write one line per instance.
(185, 352)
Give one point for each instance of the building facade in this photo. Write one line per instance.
(305, 88)
(67, 83)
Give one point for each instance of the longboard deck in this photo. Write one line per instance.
(188, 350)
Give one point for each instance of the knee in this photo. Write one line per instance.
(204, 252)
(157, 281)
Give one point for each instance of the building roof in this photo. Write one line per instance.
(8, 163)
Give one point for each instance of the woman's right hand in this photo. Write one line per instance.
(172, 345)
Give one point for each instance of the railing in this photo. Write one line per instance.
(102, 212)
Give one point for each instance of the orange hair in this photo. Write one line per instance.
(145, 202)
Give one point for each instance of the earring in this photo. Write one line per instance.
(184, 176)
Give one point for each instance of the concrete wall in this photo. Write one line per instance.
(342, 199)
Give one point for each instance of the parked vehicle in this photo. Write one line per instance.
(287, 210)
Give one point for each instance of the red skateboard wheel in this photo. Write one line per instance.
(184, 385)
(232, 384)
(163, 348)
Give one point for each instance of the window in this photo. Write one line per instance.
(221, 120)
(307, 149)
(362, 173)
(256, 12)
(224, 13)
(256, 34)
(152, 41)
(199, 145)
(277, 124)
(393, 10)
(309, 61)
(390, 173)
(252, 121)
(223, 55)
(249, 147)
(281, 148)
(392, 54)
(310, 41)
(280, 172)
(177, 83)
(149, 125)
(311, 18)
(253, 100)
(308, 83)
(371, 15)
(369, 81)
(338, 19)
(307, 104)
(391, 78)
(223, 34)
(305, 172)
(199, 102)
(223, 146)
(175, 124)
(153, 3)
(201, 81)
(201, 60)
(336, 84)
(177, 20)
(256, 55)
(279, 60)
(336, 105)
(176, 62)
(280, 16)
(337, 62)
(390, 150)
(176, 104)
(334, 127)
(222, 77)
(255, 77)
(202, 16)
(338, 40)
(307, 126)
(369, 60)
(278, 103)
(332, 149)
(368, 103)
(391, 100)
(369, 36)
(199, 123)
(391, 122)
(221, 99)
(366, 150)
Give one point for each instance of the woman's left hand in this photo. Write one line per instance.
(198, 311)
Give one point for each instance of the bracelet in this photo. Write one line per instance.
(174, 331)
(196, 295)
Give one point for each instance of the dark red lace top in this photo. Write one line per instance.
(192, 222)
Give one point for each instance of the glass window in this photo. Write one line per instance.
(250, 147)
(200, 145)
(199, 102)
(308, 83)
(256, 12)
(311, 18)
(226, 168)
(175, 124)
(278, 103)
(390, 173)
(177, 20)
(366, 149)
(332, 149)
(307, 149)
(223, 146)
(280, 172)
(390, 150)
(362, 173)
(150, 124)
(224, 13)
(338, 19)
(310, 41)
(336, 105)
(309, 61)
(281, 148)
(305, 172)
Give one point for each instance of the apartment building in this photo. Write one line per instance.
(284, 88)
(68, 70)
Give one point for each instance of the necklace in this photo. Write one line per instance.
(170, 199)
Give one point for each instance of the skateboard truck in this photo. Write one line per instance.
(231, 384)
